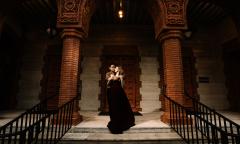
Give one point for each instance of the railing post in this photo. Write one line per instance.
(224, 138)
(171, 113)
(187, 123)
(3, 135)
(238, 139)
(214, 135)
(22, 138)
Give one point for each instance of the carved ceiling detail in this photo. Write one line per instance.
(75, 14)
(168, 14)
(174, 12)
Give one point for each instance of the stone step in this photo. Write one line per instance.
(132, 130)
(125, 138)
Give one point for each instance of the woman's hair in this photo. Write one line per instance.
(121, 71)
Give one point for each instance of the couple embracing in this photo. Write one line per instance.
(120, 112)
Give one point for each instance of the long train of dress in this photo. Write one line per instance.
(120, 112)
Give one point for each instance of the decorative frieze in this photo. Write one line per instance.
(75, 14)
(174, 12)
(168, 14)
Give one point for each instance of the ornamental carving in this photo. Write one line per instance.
(173, 8)
(68, 11)
(70, 5)
(87, 13)
(174, 12)
(75, 14)
(168, 14)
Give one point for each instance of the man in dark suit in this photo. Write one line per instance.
(110, 74)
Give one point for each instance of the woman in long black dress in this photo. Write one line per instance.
(121, 114)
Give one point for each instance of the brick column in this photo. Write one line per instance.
(69, 69)
(173, 69)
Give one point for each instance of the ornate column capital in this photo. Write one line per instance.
(168, 14)
(170, 34)
(75, 14)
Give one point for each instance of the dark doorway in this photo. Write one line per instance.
(231, 57)
(10, 57)
(128, 58)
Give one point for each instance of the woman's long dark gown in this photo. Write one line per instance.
(121, 114)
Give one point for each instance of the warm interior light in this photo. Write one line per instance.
(120, 13)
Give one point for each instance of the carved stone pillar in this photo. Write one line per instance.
(73, 18)
(169, 18)
(69, 69)
(173, 70)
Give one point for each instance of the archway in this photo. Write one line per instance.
(127, 57)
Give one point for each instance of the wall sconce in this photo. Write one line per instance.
(51, 31)
(188, 34)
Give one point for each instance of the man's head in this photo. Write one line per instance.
(112, 67)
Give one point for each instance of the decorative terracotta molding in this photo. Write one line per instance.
(169, 34)
(75, 14)
(168, 14)
(174, 10)
(70, 32)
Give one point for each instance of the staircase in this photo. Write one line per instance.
(148, 130)
(201, 124)
(39, 124)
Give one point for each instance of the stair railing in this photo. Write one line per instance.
(39, 125)
(201, 124)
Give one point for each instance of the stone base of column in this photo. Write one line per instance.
(165, 117)
(77, 118)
